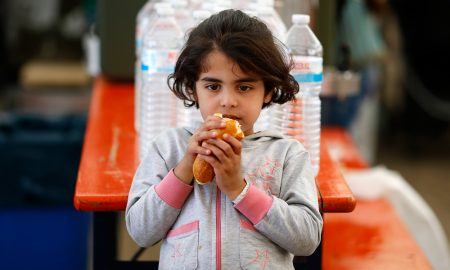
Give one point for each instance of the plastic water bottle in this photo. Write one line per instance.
(191, 116)
(141, 22)
(144, 20)
(200, 15)
(183, 15)
(160, 50)
(301, 119)
(267, 10)
(267, 15)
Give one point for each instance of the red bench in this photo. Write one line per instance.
(372, 236)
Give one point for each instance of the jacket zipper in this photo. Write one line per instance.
(218, 232)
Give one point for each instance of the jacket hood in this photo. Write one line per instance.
(250, 140)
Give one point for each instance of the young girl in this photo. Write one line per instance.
(262, 208)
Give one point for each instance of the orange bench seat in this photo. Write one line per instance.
(372, 236)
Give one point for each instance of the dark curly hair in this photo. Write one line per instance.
(247, 41)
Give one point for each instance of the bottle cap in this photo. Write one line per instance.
(300, 19)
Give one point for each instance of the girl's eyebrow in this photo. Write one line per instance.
(248, 79)
(242, 80)
(209, 79)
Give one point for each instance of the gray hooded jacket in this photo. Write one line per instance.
(202, 229)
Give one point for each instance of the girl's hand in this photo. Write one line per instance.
(225, 158)
(184, 169)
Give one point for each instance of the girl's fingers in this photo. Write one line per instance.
(229, 145)
(235, 144)
(204, 135)
(214, 122)
(212, 160)
(206, 131)
(202, 150)
(213, 118)
(219, 148)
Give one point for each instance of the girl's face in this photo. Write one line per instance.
(226, 89)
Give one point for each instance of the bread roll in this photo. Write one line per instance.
(203, 171)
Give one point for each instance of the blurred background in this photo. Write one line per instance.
(395, 104)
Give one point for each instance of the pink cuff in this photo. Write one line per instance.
(255, 204)
(173, 191)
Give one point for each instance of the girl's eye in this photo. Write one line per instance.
(213, 87)
(244, 88)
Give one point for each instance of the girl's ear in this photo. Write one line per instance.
(268, 97)
(193, 96)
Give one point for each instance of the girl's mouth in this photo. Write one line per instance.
(231, 116)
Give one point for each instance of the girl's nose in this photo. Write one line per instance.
(228, 99)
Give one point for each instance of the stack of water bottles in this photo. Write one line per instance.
(161, 30)
(300, 119)
(160, 48)
(191, 116)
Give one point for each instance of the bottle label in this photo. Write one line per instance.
(159, 61)
(307, 69)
